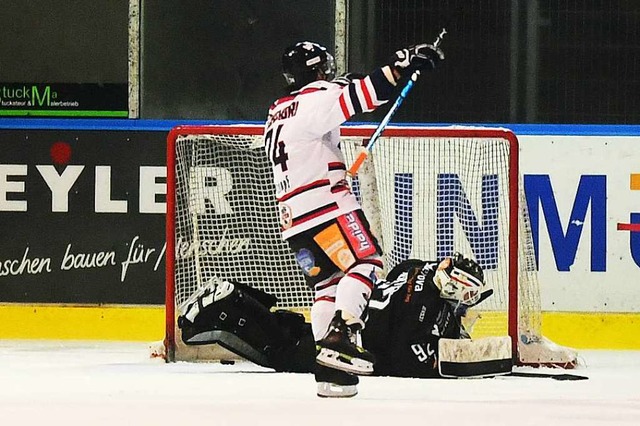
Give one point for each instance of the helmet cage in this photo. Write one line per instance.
(328, 68)
(458, 285)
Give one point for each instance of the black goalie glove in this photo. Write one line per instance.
(418, 57)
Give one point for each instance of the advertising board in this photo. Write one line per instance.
(83, 224)
(83, 216)
(583, 194)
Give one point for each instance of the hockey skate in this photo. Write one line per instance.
(338, 349)
(334, 383)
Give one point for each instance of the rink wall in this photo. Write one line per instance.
(82, 246)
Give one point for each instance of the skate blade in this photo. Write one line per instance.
(334, 359)
(331, 390)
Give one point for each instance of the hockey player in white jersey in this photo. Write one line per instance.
(320, 217)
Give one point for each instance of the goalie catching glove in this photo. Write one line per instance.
(416, 58)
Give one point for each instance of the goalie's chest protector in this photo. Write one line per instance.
(302, 139)
(416, 313)
(420, 314)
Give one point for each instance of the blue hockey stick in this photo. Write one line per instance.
(364, 153)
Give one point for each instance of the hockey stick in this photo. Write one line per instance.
(383, 124)
(561, 377)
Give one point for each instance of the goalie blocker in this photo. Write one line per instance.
(243, 320)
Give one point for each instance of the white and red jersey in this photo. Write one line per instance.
(302, 137)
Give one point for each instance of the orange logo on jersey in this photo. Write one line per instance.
(332, 242)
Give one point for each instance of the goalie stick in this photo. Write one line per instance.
(364, 152)
(560, 377)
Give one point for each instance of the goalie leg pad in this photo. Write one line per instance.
(294, 349)
(237, 322)
(467, 358)
(240, 320)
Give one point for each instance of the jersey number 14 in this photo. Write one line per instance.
(275, 148)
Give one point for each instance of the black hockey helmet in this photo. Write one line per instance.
(460, 279)
(302, 62)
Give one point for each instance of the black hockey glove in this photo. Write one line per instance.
(418, 57)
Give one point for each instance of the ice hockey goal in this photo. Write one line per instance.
(427, 192)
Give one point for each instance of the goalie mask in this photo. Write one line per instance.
(302, 62)
(460, 280)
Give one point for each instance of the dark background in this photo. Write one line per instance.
(508, 61)
(64, 41)
(47, 233)
(221, 59)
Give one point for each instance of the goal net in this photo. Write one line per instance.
(427, 192)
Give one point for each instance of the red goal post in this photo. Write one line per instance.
(426, 190)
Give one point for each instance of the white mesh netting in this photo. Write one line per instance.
(437, 195)
(226, 223)
(425, 195)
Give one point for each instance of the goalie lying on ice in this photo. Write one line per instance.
(413, 324)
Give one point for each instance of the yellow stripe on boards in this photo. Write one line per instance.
(578, 330)
(103, 322)
(593, 330)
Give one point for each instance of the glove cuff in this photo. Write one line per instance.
(390, 72)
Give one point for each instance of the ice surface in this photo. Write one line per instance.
(116, 383)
